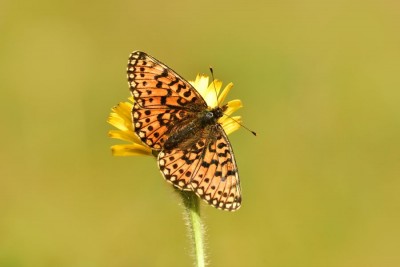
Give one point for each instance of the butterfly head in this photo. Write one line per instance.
(210, 117)
(217, 112)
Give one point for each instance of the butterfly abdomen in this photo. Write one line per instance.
(179, 136)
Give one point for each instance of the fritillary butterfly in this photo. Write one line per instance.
(171, 117)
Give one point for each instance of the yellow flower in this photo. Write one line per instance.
(121, 117)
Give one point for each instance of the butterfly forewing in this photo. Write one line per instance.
(154, 85)
(162, 98)
(199, 157)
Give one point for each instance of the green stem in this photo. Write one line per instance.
(195, 227)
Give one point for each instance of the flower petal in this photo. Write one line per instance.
(212, 92)
(117, 122)
(208, 91)
(130, 150)
(201, 84)
(224, 93)
(233, 105)
(121, 117)
(125, 136)
(231, 124)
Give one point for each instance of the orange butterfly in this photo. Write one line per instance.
(171, 117)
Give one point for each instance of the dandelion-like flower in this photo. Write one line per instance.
(121, 117)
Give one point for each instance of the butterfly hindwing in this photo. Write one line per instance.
(178, 165)
(208, 168)
(217, 179)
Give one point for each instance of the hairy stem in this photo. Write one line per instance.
(195, 228)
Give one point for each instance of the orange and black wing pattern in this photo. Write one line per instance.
(208, 168)
(161, 98)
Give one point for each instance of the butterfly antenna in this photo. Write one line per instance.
(253, 132)
(213, 81)
(216, 94)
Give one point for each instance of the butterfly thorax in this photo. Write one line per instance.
(182, 133)
(210, 117)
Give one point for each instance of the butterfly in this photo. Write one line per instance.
(171, 117)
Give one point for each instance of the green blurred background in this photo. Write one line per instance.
(320, 81)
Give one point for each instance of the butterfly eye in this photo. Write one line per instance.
(209, 115)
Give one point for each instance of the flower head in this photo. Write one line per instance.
(121, 117)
